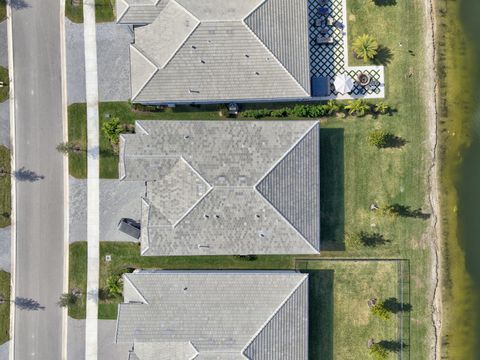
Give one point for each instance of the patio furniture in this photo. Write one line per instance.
(330, 21)
(323, 11)
(319, 22)
(339, 25)
(324, 39)
(343, 83)
(323, 31)
(363, 78)
(323, 2)
(320, 86)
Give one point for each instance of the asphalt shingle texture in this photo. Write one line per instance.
(226, 187)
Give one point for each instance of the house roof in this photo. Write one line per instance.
(226, 187)
(213, 315)
(218, 49)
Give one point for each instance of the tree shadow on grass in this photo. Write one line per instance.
(373, 239)
(320, 311)
(384, 56)
(385, 2)
(394, 306)
(392, 345)
(332, 208)
(407, 211)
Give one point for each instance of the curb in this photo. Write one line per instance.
(66, 189)
(13, 240)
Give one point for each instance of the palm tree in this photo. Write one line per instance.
(358, 107)
(365, 47)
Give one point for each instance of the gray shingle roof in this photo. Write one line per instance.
(227, 315)
(219, 50)
(226, 187)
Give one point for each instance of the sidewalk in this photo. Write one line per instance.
(93, 183)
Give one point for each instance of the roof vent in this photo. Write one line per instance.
(257, 73)
(217, 216)
(206, 216)
(194, 47)
(247, 56)
(191, 91)
(186, 137)
(257, 216)
(203, 246)
(185, 288)
(202, 61)
(262, 235)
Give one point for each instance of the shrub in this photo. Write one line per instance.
(67, 300)
(380, 310)
(378, 352)
(331, 107)
(365, 47)
(112, 129)
(382, 108)
(114, 285)
(283, 112)
(358, 107)
(257, 114)
(68, 147)
(379, 138)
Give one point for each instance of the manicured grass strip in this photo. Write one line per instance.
(5, 184)
(3, 10)
(74, 13)
(5, 307)
(4, 90)
(340, 320)
(103, 11)
(77, 132)
(78, 277)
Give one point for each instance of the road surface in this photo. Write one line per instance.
(38, 112)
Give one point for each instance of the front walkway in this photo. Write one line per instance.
(93, 183)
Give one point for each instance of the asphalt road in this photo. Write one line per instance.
(39, 261)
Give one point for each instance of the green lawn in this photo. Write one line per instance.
(5, 307)
(353, 174)
(104, 11)
(5, 194)
(3, 10)
(4, 90)
(339, 290)
(78, 277)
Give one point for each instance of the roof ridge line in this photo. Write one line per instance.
(270, 51)
(305, 276)
(210, 188)
(254, 9)
(186, 37)
(125, 277)
(123, 12)
(316, 123)
(140, 52)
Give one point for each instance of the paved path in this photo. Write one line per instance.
(113, 41)
(93, 184)
(5, 244)
(39, 204)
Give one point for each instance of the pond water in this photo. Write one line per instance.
(468, 180)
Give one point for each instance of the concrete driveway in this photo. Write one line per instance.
(107, 350)
(117, 199)
(113, 62)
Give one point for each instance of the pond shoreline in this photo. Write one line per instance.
(431, 94)
(455, 64)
